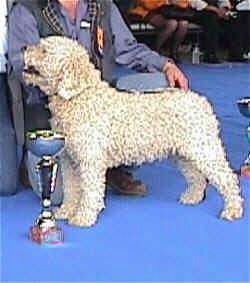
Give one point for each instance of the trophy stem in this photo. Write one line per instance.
(46, 229)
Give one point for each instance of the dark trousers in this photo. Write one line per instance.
(237, 34)
(8, 148)
(244, 29)
(233, 33)
(211, 27)
(232, 36)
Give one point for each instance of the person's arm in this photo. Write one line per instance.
(151, 5)
(3, 36)
(129, 52)
(23, 32)
(138, 56)
(226, 4)
(200, 5)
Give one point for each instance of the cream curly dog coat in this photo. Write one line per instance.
(106, 128)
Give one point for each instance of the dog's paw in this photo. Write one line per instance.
(82, 220)
(64, 212)
(233, 212)
(192, 198)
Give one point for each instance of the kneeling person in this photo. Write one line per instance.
(32, 20)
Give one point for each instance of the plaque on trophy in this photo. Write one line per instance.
(244, 108)
(47, 145)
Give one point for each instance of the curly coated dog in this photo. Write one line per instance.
(106, 128)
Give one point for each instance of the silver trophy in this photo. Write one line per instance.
(244, 108)
(47, 145)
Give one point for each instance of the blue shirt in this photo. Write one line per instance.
(23, 32)
(3, 36)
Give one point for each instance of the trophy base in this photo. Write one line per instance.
(245, 171)
(51, 236)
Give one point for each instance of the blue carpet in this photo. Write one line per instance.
(148, 239)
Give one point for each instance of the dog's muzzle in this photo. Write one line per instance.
(31, 70)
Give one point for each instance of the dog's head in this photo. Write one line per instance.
(58, 65)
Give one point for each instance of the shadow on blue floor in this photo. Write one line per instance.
(152, 238)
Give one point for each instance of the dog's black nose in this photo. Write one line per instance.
(30, 70)
(24, 48)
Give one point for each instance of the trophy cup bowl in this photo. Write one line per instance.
(248, 133)
(244, 108)
(46, 144)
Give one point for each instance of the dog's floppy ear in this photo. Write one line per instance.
(71, 82)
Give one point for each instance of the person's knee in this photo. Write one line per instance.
(182, 27)
(183, 24)
(171, 25)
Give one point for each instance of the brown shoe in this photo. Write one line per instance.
(122, 182)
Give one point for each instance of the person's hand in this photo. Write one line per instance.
(222, 13)
(175, 76)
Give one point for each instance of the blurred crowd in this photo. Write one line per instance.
(224, 23)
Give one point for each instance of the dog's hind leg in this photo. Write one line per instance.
(71, 186)
(209, 156)
(196, 181)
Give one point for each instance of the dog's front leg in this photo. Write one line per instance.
(91, 198)
(71, 187)
(92, 172)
